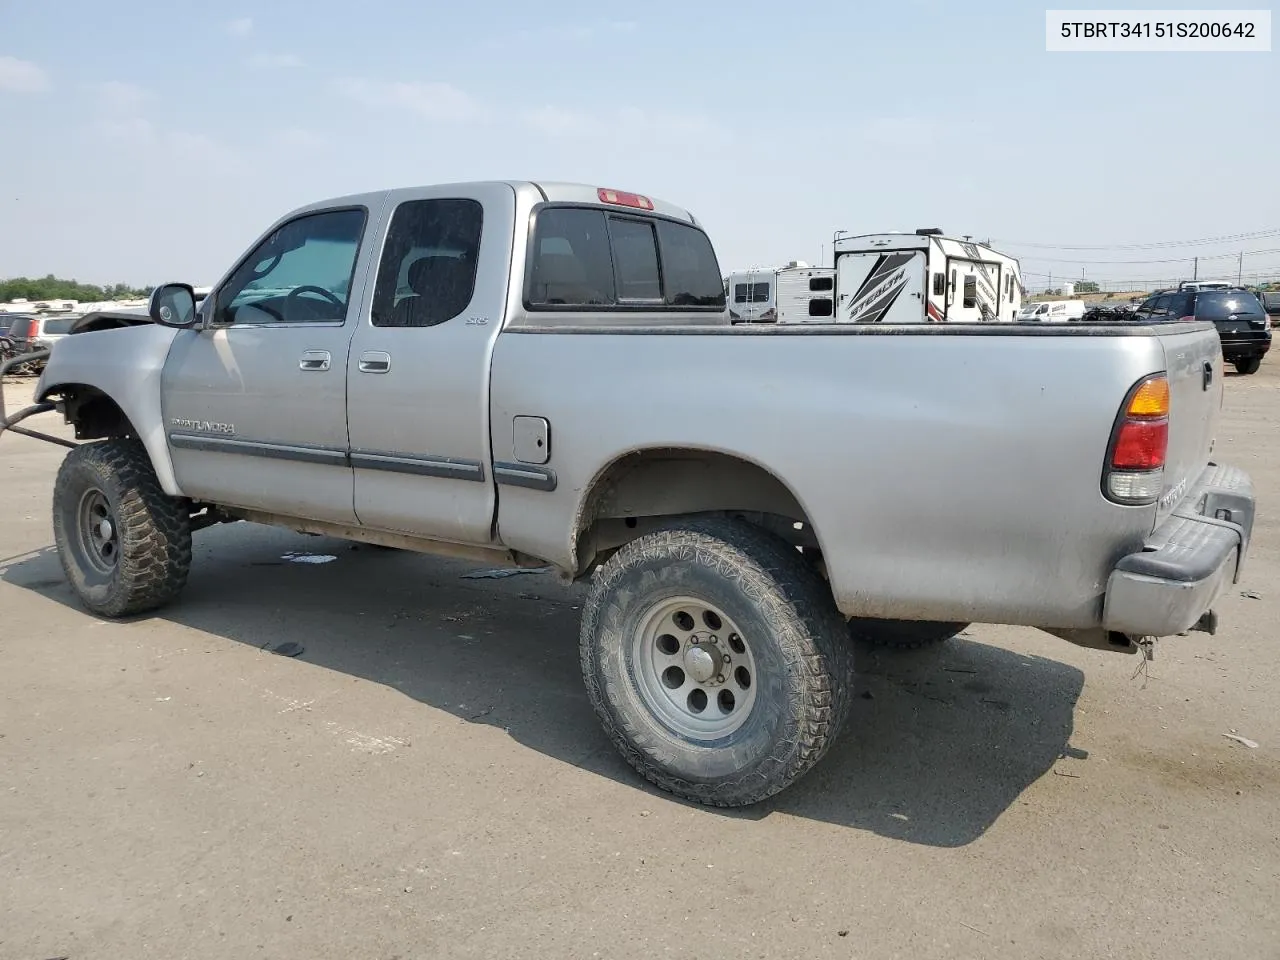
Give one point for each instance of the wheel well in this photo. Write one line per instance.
(93, 413)
(640, 491)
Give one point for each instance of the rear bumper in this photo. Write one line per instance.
(1245, 348)
(1187, 562)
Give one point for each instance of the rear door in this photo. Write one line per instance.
(881, 287)
(418, 375)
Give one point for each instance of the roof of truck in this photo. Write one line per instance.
(553, 191)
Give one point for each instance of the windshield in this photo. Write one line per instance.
(60, 325)
(1220, 306)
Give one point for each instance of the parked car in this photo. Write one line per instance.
(40, 330)
(546, 374)
(1270, 300)
(8, 321)
(1242, 324)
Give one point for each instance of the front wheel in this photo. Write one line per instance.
(125, 545)
(1250, 365)
(716, 660)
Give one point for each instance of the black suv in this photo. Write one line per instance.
(1242, 323)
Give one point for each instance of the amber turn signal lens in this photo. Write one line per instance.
(1151, 400)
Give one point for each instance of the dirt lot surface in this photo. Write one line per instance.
(427, 779)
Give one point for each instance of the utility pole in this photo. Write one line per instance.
(1240, 270)
(1195, 273)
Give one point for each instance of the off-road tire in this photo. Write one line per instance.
(1248, 366)
(153, 530)
(802, 655)
(904, 634)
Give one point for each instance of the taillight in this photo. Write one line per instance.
(1139, 444)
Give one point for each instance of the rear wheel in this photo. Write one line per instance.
(125, 545)
(1250, 365)
(716, 660)
(904, 634)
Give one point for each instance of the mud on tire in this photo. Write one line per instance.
(124, 545)
(752, 600)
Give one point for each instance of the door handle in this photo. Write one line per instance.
(374, 361)
(314, 360)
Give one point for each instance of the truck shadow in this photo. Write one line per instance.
(939, 745)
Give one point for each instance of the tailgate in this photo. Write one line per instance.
(1242, 328)
(1193, 360)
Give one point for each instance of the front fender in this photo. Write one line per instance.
(125, 364)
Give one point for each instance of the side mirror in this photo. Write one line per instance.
(173, 305)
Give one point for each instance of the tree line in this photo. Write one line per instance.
(55, 288)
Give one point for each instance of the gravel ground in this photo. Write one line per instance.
(427, 779)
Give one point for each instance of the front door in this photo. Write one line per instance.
(255, 403)
(418, 374)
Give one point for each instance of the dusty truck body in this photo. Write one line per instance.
(547, 374)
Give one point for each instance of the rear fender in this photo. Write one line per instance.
(124, 364)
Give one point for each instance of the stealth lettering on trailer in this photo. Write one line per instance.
(987, 304)
(881, 288)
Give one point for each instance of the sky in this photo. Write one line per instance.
(145, 141)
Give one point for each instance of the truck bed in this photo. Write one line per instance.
(949, 471)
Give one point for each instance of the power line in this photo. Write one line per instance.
(1154, 245)
(1117, 263)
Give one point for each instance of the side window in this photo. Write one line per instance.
(818, 284)
(821, 307)
(571, 261)
(939, 284)
(635, 258)
(739, 293)
(302, 273)
(427, 274)
(1161, 305)
(689, 267)
(970, 291)
(1181, 305)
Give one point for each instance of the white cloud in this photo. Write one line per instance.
(428, 100)
(564, 33)
(297, 138)
(559, 121)
(899, 131)
(22, 76)
(117, 96)
(240, 27)
(275, 60)
(622, 124)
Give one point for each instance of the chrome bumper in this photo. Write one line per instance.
(1187, 562)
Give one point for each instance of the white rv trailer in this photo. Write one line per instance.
(795, 293)
(923, 277)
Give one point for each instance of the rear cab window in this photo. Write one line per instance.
(585, 258)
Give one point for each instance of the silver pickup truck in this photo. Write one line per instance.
(546, 374)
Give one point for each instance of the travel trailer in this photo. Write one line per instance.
(923, 277)
(1053, 311)
(795, 293)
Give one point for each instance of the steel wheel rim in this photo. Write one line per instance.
(693, 669)
(98, 531)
